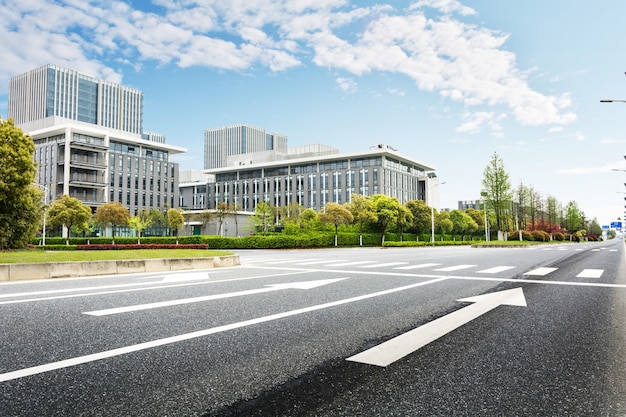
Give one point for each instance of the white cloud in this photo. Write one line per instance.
(593, 170)
(347, 84)
(464, 63)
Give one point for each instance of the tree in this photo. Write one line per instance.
(386, 209)
(444, 224)
(478, 218)
(67, 211)
(404, 220)
(112, 214)
(263, 216)
(362, 209)
(176, 220)
(497, 188)
(223, 210)
(421, 216)
(21, 206)
(140, 222)
(462, 223)
(336, 214)
(309, 219)
(572, 219)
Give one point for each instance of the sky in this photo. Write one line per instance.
(448, 83)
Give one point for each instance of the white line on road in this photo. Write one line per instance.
(383, 265)
(307, 285)
(350, 263)
(418, 266)
(392, 350)
(8, 376)
(541, 271)
(496, 269)
(590, 273)
(145, 288)
(455, 268)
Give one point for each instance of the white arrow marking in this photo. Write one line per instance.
(8, 376)
(306, 285)
(388, 352)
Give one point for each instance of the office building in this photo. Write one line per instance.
(239, 140)
(314, 180)
(89, 140)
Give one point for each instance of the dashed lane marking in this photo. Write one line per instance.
(541, 271)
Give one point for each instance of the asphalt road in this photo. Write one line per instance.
(333, 332)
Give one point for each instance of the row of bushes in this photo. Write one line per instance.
(127, 246)
(280, 241)
(541, 236)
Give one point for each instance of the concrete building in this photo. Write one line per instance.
(239, 140)
(314, 180)
(90, 142)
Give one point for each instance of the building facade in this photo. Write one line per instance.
(241, 139)
(89, 142)
(313, 181)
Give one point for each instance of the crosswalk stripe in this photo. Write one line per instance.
(541, 271)
(496, 269)
(455, 268)
(416, 266)
(383, 265)
(590, 273)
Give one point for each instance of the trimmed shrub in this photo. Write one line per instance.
(540, 236)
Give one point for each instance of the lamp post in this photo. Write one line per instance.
(45, 207)
(432, 216)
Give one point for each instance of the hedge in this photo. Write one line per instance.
(142, 246)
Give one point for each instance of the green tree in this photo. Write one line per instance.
(444, 224)
(478, 218)
(573, 218)
(497, 189)
(263, 216)
(362, 209)
(462, 223)
(421, 216)
(309, 219)
(140, 223)
(21, 206)
(222, 211)
(176, 220)
(404, 220)
(67, 211)
(112, 214)
(336, 214)
(386, 209)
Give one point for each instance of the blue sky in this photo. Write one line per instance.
(445, 82)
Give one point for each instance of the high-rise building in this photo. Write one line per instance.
(241, 139)
(89, 140)
(38, 98)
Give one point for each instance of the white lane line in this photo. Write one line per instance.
(418, 266)
(496, 269)
(541, 271)
(153, 287)
(590, 273)
(303, 285)
(316, 262)
(350, 263)
(383, 265)
(8, 376)
(455, 268)
(595, 250)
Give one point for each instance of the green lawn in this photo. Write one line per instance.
(28, 256)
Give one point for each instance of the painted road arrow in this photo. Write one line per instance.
(388, 352)
(305, 285)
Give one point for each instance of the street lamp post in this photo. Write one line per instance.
(432, 216)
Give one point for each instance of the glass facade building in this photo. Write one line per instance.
(89, 142)
(241, 139)
(314, 181)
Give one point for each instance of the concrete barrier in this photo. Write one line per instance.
(45, 270)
